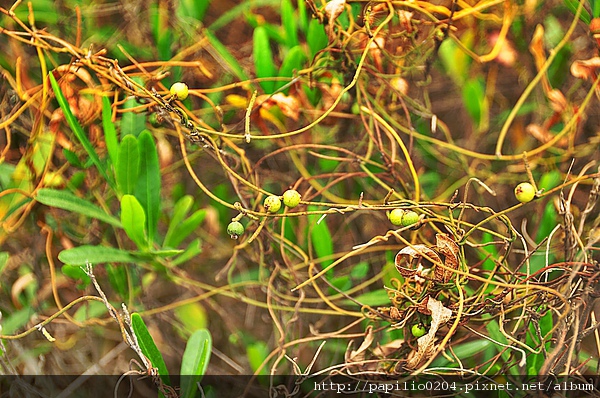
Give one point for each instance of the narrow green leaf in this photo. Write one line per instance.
(465, 350)
(263, 58)
(193, 249)
(316, 37)
(72, 158)
(78, 130)
(374, 298)
(195, 361)
(133, 220)
(227, 58)
(193, 8)
(148, 347)
(288, 20)
(494, 331)
(68, 201)
(132, 122)
(147, 190)
(320, 236)
(188, 226)
(235, 12)
(128, 165)
(293, 61)
(3, 261)
(257, 352)
(473, 93)
(302, 16)
(110, 132)
(180, 211)
(82, 255)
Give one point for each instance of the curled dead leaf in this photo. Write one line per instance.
(449, 248)
(585, 69)
(354, 357)
(427, 344)
(543, 135)
(419, 260)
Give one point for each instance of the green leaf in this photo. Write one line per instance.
(494, 331)
(360, 270)
(193, 249)
(3, 261)
(132, 122)
(128, 165)
(234, 13)
(465, 350)
(263, 59)
(320, 237)
(374, 298)
(188, 226)
(227, 59)
(133, 219)
(257, 352)
(192, 316)
(195, 361)
(180, 211)
(117, 277)
(72, 158)
(294, 61)
(148, 347)
(82, 255)
(76, 272)
(473, 93)
(148, 184)
(302, 16)
(288, 20)
(316, 37)
(193, 8)
(78, 130)
(110, 132)
(68, 201)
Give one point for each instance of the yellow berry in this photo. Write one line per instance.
(291, 198)
(179, 90)
(524, 192)
(409, 218)
(272, 204)
(395, 216)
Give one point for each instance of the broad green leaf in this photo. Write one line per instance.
(320, 236)
(227, 58)
(257, 352)
(188, 226)
(180, 211)
(263, 59)
(68, 201)
(192, 316)
(288, 20)
(87, 254)
(294, 61)
(148, 347)
(117, 277)
(128, 165)
(78, 130)
(15, 320)
(316, 37)
(147, 190)
(195, 361)
(133, 220)
(76, 272)
(132, 122)
(110, 132)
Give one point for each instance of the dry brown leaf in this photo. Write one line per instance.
(426, 344)
(388, 349)
(539, 55)
(354, 358)
(558, 102)
(289, 105)
(585, 69)
(449, 248)
(413, 256)
(543, 135)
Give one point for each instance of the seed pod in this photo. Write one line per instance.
(235, 229)
(272, 204)
(524, 192)
(179, 90)
(291, 198)
(395, 216)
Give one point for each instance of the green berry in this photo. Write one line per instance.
(409, 218)
(291, 198)
(179, 90)
(235, 229)
(272, 204)
(395, 216)
(418, 330)
(524, 192)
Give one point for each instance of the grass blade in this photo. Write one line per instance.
(78, 130)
